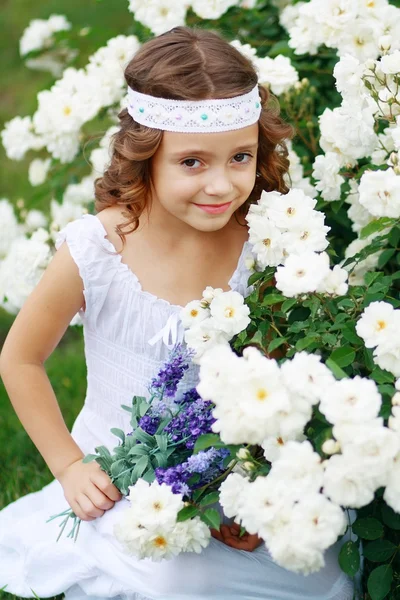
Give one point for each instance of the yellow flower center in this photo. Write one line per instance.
(262, 394)
(380, 325)
(67, 111)
(229, 312)
(305, 235)
(194, 312)
(157, 505)
(291, 211)
(267, 242)
(160, 542)
(280, 441)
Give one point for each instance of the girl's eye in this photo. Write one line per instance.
(240, 158)
(189, 162)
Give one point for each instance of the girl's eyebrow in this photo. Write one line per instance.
(197, 151)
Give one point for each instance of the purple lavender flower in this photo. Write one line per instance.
(193, 420)
(168, 378)
(149, 424)
(190, 396)
(208, 464)
(176, 477)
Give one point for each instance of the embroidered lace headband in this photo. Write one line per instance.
(199, 116)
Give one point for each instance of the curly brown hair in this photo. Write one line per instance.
(186, 64)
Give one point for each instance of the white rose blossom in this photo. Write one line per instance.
(380, 193)
(375, 325)
(38, 170)
(302, 274)
(39, 33)
(353, 400)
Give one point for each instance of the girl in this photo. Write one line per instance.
(197, 144)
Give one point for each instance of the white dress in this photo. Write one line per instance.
(119, 321)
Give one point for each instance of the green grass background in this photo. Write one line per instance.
(22, 470)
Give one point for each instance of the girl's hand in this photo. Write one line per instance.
(229, 535)
(88, 490)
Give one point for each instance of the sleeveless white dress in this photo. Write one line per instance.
(119, 321)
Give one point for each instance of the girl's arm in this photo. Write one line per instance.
(34, 335)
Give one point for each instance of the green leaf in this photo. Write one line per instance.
(162, 459)
(389, 517)
(118, 468)
(139, 450)
(385, 257)
(211, 517)
(144, 437)
(305, 342)
(381, 376)
(119, 433)
(276, 343)
(368, 358)
(394, 237)
(103, 451)
(369, 278)
(140, 466)
(379, 582)
(329, 338)
(273, 299)
(368, 528)
(376, 225)
(349, 558)
(188, 512)
(206, 441)
(379, 550)
(162, 442)
(254, 277)
(343, 356)
(149, 475)
(351, 336)
(281, 47)
(89, 457)
(336, 370)
(288, 304)
(210, 498)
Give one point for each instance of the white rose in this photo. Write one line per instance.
(302, 274)
(38, 170)
(390, 63)
(380, 193)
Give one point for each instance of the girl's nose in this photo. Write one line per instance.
(219, 184)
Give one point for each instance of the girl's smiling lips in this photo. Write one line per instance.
(214, 209)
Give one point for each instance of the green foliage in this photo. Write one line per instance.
(349, 558)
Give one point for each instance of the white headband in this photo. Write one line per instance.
(188, 116)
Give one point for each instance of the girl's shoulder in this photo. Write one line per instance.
(109, 218)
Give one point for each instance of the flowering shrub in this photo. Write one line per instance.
(324, 299)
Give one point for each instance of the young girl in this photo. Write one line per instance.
(197, 144)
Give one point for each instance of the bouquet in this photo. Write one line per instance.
(169, 479)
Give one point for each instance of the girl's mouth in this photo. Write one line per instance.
(214, 209)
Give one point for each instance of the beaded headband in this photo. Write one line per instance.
(199, 116)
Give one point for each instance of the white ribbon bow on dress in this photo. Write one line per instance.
(171, 334)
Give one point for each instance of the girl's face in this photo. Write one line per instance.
(201, 179)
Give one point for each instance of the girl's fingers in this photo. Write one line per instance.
(80, 513)
(88, 508)
(103, 482)
(99, 499)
